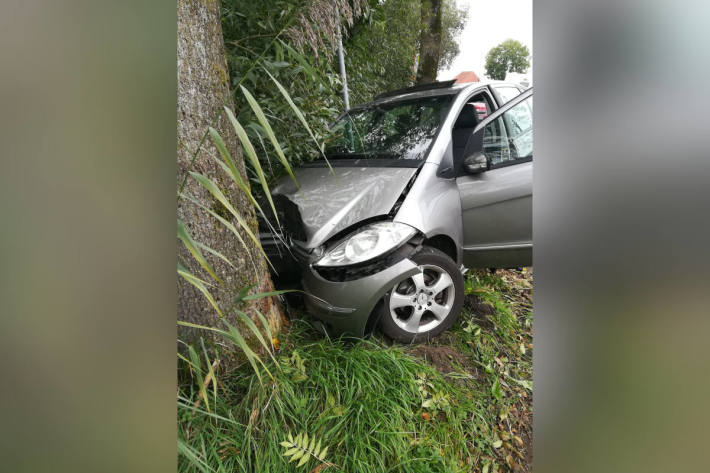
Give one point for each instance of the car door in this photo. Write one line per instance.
(496, 203)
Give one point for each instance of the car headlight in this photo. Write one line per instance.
(367, 243)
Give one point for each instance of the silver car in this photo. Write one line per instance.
(413, 188)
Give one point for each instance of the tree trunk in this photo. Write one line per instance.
(430, 41)
(203, 89)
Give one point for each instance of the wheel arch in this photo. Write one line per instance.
(445, 244)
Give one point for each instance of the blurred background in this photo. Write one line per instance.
(87, 199)
(620, 212)
(621, 230)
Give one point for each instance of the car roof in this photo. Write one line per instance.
(434, 89)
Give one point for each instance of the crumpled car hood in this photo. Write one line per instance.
(329, 204)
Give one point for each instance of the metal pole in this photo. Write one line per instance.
(341, 60)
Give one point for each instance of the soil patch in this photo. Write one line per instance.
(480, 310)
(443, 358)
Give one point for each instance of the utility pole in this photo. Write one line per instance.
(343, 76)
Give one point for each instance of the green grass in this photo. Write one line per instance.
(377, 408)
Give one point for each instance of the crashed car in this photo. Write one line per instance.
(413, 188)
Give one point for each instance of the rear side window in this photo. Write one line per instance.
(507, 93)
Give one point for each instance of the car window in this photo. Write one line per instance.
(473, 112)
(510, 137)
(477, 108)
(507, 93)
(395, 130)
(482, 109)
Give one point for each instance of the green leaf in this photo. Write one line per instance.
(231, 166)
(524, 383)
(189, 243)
(190, 407)
(236, 177)
(291, 451)
(228, 225)
(234, 335)
(299, 377)
(211, 374)
(265, 323)
(242, 294)
(252, 357)
(496, 390)
(200, 285)
(300, 117)
(231, 170)
(253, 159)
(250, 323)
(217, 194)
(188, 452)
(214, 253)
(285, 444)
(269, 132)
(188, 362)
(190, 324)
(304, 459)
(261, 295)
(497, 444)
(196, 362)
(305, 64)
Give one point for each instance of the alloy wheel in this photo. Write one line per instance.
(422, 302)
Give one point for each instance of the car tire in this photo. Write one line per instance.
(416, 297)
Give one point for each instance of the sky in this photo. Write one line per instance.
(489, 23)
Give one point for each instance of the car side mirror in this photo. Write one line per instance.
(476, 163)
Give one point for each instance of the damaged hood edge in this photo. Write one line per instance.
(330, 204)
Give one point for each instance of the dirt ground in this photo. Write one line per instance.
(451, 352)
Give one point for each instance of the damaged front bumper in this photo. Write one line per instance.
(344, 307)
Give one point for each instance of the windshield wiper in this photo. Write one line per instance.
(363, 155)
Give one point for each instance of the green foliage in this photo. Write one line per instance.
(381, 49)
(375, 406)
(299, 448)
(360, 399)
(508, 56)
(438, 401)
(259, 41)
(453, 19)
(297, 366)
(277, 39)
(382, 46)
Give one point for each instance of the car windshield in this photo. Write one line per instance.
(396, 130)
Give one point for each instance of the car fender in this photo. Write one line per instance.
(433, 207)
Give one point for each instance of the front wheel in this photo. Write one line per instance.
(427, 303)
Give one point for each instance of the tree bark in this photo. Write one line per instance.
(203, 89)
(430, 41)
